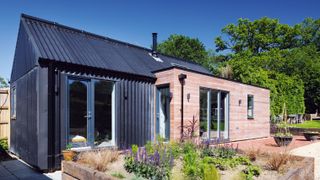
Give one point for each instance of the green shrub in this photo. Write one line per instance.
(134, 148)
(225, 163)
(219, 152)
(251, 171)
(149, 147)
(4, 144)
(210, 172)
(188, 146)
(150, 166)
(191, 166)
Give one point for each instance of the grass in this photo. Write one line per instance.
(98, 160)
(308, 124)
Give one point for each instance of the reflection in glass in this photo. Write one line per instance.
(102, 112)
(77, 111)
(203, 113)
(214, 114)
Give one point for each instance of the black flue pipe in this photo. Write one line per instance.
(182, 78)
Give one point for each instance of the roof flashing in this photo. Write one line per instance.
(157, 58)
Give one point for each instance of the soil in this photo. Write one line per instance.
(266, 174)
(117, 168)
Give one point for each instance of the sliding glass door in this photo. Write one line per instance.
(214, 120)
(91, 112)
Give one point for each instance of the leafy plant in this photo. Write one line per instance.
(4, 144)
(251, 171)
(118, 175)
(150, 166)
(69, 146)
(191, 162)
(210, 172)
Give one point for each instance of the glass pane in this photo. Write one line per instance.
(250, 106)
(203, 113)
(223, 115)
(164, 113)
(214, 114)
(78, 112)
(103, 112)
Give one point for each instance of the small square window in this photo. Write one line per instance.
(13, 102)
(250, 106)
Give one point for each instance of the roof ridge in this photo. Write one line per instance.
(33, 18)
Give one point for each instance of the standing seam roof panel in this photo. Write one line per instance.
(64, 44)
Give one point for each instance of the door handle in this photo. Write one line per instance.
(88, 115)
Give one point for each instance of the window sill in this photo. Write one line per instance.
(250, 118)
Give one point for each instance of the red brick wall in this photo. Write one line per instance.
(239, 126)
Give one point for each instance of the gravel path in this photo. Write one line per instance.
(311, 150)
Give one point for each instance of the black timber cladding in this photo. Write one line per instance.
(60, 43)
(134, 112)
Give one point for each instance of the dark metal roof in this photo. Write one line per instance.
(60, 43)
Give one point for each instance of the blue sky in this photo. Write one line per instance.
(134, 21)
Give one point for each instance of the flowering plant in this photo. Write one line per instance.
(156, 165)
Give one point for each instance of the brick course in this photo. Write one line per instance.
(240, 127)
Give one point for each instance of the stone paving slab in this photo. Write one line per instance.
(312, 150)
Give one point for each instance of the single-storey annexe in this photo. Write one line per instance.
(69, 84)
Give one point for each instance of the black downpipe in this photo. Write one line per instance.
(182, 78)
(51, 117)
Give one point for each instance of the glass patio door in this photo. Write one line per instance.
(214, 108)
(79, 112)
(91, 112)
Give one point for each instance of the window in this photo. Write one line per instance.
(13, 103)
(250, 106)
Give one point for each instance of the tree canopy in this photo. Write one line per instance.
(283, 58)
(3, 83)
(184, 47)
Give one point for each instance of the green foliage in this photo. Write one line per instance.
(149, 147)
(4, 144)
(283, 58)
(3, 83)
(257, 36)
(261, 70)
(307, 124)
(226, 163)
(69, 146)
(154, 161)
(252, 171)
(134, 148)
(210, 172)
(184, 47)
(283, 130)
(118, 175)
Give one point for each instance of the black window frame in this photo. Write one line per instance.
(250, 97)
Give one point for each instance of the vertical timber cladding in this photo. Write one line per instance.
(134, 102)
(134, 108)
(24, 127)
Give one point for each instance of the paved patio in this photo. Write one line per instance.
(269, 145)
(15, 169)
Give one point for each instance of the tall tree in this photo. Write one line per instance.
(276, 52)
(257, 36)
(184, 47)
(3, 83)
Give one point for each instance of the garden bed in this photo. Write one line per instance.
(187, 161)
